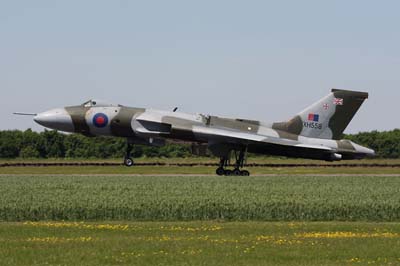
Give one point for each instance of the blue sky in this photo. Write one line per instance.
(263, 60)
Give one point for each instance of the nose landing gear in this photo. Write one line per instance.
(128, 161)
(221, 171)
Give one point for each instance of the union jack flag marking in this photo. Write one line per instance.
(338, 101)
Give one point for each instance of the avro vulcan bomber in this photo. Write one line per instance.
(314, 133)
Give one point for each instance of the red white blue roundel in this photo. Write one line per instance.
(100, 120)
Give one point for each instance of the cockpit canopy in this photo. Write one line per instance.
(98, 103)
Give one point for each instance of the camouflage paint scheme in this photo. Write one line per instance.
(314, 133)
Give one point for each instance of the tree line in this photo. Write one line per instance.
(52, 144)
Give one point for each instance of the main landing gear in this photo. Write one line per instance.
(128, 161)
(221, 171)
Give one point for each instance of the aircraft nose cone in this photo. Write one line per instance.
(58, 119)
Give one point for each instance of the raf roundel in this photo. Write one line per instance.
(100, 120)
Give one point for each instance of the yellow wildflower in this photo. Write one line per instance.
(336, 235)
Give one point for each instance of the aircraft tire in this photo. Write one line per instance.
(236, 172)
(228, 172)
(128, 162)
(244, 173)
(220, 171)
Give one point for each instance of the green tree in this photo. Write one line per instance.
(54, 144)
(29, 152)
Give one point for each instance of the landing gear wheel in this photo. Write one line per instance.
(244, 173)
(128, 162)
(240, 157)
(228, 172)
(220, 171)
(236, 172)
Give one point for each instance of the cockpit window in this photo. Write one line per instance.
(98, 103)
(89, 103)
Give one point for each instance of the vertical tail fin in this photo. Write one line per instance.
(328, 118)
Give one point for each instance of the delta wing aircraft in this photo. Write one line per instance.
(314, 133)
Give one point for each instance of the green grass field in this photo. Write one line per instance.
(199, 243)
(192, 198)
(110, 216)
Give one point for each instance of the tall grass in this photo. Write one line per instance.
(200, 198)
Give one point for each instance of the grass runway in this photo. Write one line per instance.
(364, 167)
(111, 216)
